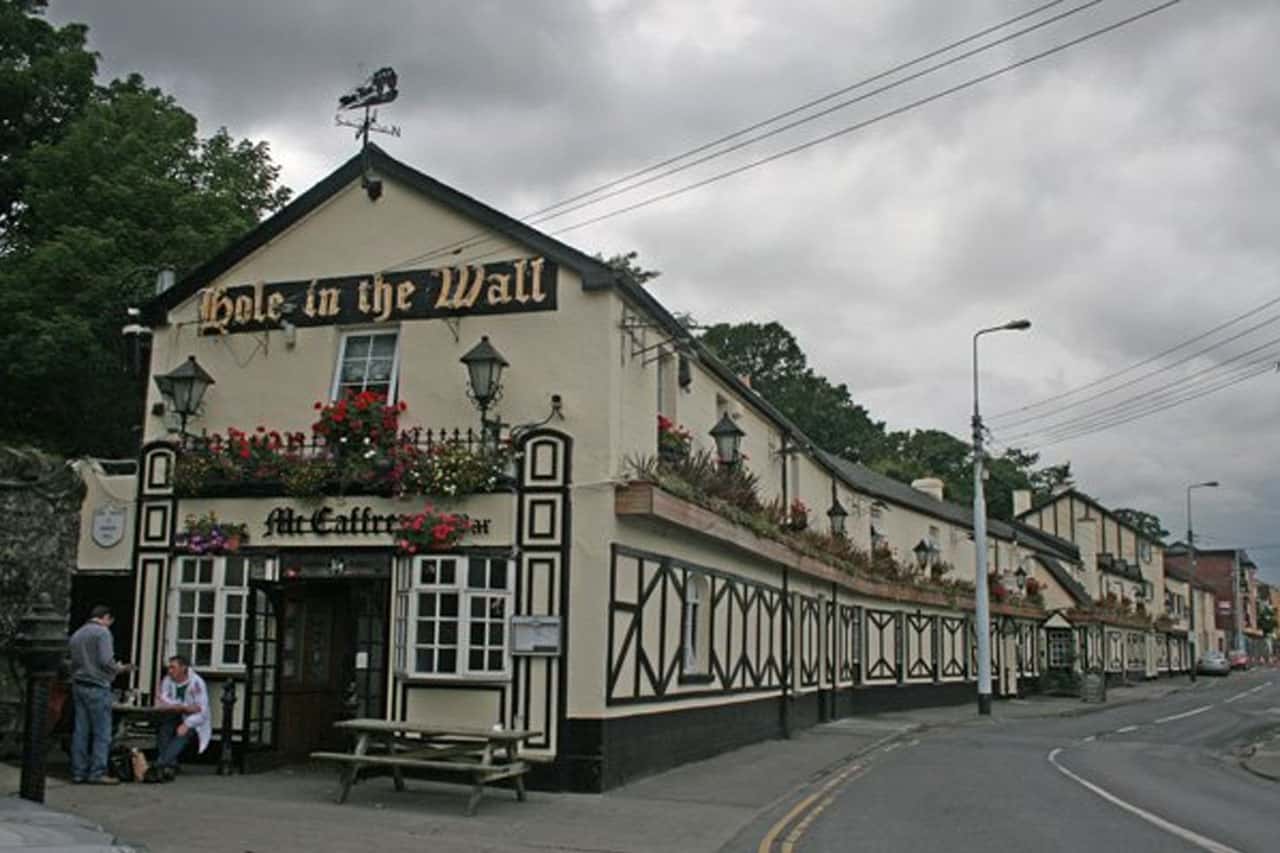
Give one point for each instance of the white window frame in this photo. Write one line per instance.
(394, 387)
(410, 589)
(1060, 643)
(223, 595)
(694, 642)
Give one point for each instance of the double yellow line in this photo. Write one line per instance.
(803, 813)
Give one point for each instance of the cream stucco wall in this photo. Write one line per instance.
(105, 492)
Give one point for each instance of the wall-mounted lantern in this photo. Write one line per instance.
(728, 437)
(484, 378)
(1021, 577)
(183, 388)
(923, 551)
(839, 517)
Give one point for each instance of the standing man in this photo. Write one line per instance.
(93, 668)
(183, 692)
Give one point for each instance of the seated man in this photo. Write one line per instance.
(183, 692)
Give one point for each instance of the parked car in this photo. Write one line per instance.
(1239, 659)
(1213, 663)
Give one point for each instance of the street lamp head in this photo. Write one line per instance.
(728, 438)
(1018, 325)
(484, 372)
(184, 387)
(839, 517)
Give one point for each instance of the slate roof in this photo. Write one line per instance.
(894, 491)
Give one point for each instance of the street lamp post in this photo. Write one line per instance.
(982, 609)
(41, 641)
(1191, 584)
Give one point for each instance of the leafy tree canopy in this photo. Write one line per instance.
(124, 187)
(771, 358)
(1147, 523)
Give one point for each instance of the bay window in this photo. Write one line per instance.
(452, 614)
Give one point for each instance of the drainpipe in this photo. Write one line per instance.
(786, 655)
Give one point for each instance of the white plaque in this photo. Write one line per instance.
(535, 635)
(108, 525)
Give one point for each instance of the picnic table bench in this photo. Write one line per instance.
(486, 755)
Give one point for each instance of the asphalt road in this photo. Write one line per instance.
(1153, 776)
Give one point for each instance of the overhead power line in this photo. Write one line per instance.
(1269, 367)
(1146, 361)
(479, 238)
(861, 125)
(1141, 378)
(1156, 393)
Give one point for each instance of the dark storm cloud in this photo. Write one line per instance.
(1121, 194)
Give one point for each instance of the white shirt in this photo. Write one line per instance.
(197, 694)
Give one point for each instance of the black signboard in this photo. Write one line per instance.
(504, 287)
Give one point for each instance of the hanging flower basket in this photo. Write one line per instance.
(205, 534)
(431, 530)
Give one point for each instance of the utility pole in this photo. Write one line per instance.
(1237, 581)
(982, 607)
(1191, 549)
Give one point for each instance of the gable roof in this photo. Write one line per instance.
(1086, 499)
(595, 273)
(1059, 573)
(881, 486)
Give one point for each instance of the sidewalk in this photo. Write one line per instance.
(31, 826)
(696, 807)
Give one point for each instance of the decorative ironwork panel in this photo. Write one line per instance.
(848, 642)
(809, 622)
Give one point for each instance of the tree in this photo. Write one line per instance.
(46, 78)
(1266, 620)
(770, 358)
(127, 188)
(626, 264)
(1146, 523)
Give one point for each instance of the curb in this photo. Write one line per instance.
(1247, 764)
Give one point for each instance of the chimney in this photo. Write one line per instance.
(931, 486)
(1087, 542)
(1021, 501)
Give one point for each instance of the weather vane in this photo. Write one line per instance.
(379, 88)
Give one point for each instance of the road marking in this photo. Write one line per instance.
(1184, 714)
(1249, 692)
(766, 843)
(1172, 828)
(1090, 738)
(1127, 729)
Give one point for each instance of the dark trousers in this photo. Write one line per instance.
(170, 744)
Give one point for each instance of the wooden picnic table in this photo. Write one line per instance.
(125, 714)
(486, 755)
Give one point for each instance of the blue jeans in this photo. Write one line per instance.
(170, 744)
(91, 739)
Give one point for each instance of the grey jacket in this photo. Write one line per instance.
(93, 657)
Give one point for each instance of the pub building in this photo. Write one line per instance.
(547, 584)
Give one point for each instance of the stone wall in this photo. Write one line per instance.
(40, 498)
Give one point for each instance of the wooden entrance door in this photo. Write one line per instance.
(315, 645)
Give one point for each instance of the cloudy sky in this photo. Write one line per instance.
(1121, 194)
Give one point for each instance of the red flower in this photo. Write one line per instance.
(319, 406)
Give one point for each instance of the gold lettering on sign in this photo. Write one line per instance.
(520, 296)
(537, 295)
(309, 308)
(274, 301)
(404, 295)
(499, 292)
(363, 290)
(330, 301)
(383, 302)
(244, 309)
(216, 309)
(465, 293)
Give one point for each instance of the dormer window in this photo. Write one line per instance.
(367, 361)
